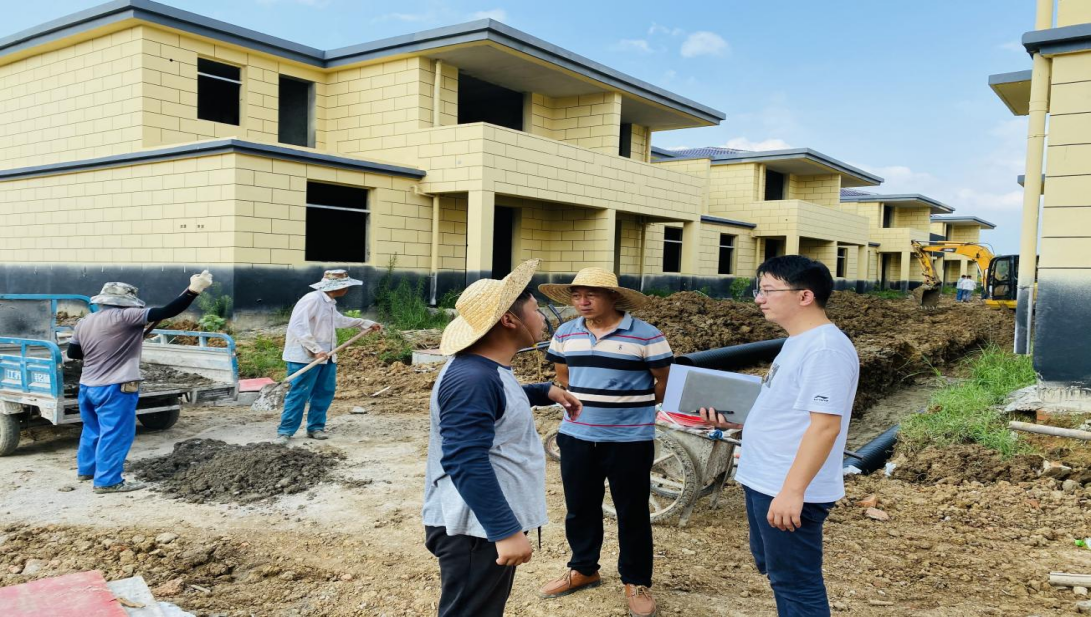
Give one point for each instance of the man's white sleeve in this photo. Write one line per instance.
(825, 382)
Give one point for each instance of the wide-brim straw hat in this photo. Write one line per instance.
(118, 294)
(482, 305)
(628, 299)
(332, 280)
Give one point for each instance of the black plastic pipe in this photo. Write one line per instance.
(875, 453)
(734, 357)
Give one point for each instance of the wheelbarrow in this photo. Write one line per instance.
(690, 462)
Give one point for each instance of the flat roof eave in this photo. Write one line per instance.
(488, 30)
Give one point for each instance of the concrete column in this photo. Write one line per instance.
(903, 276)
(962, 270)
(791, 245)
(862, 263)
(691, 248)
(480, 210)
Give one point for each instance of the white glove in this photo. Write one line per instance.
(200, 282)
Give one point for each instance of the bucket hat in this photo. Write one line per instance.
(482, 305)
(118, 294)
(332, 280)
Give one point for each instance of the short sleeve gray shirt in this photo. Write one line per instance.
(111, 340)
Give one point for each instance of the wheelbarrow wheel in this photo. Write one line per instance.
(673, 480)
(549, 442)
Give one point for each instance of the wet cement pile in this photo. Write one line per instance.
(210, 470)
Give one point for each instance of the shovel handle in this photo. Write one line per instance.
(316, 362)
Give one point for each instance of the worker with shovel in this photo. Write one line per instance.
(312, 335)
(617, 366)
(109, 342)
(485, 478)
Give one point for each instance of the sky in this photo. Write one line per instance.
(899, 89)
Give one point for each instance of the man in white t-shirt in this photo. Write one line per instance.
(794, 438)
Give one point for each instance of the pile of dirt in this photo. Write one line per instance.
(896, 339)
(157, 378)
(219, 575)
(210, 470)
(965, 463)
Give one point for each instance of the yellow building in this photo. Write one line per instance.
(764, 204)
(139, 142)
(1059, 86)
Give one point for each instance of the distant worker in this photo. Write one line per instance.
(960, 288)
(312, 334)
(109, 342)
(971, 287)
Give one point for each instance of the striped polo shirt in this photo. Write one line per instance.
(612, 377)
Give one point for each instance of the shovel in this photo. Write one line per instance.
(272, 396)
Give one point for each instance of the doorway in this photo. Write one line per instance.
(503, 236)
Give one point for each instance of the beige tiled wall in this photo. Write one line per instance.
(375, 107)
(217, 209)
(639, 143)
(76, 102)
(591, 121)
(820, 189)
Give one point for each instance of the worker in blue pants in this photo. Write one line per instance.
(315, 387)
(312, 335)
(109, 342)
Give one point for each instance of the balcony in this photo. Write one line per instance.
(492, 159)
(798, 218)
(898, 239)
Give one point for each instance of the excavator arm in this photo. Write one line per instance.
(980, 255)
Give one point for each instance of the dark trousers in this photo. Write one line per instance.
(585, 466)
(791, 559)
(471, 582)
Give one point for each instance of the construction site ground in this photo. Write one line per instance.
(967, 534)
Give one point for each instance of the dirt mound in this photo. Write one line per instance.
(896, 340)
(968, 462)
(203, 470)
(206, 575)
(157, 378)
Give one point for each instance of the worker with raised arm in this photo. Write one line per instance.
(312, 335)
(109, 342)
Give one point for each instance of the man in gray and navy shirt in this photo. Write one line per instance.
(617, 366)
(485, 480)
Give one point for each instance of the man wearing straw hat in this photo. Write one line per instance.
(617, 366)
(312, 333)
(485, 478)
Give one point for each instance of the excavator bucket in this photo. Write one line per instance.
(929, 298)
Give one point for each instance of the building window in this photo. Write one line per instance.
(625, 144)
(672, 249)
(296, 113)
(774, 185)
(481, 101)
(888, 217)
(727, 253)
(218, 87)
(337, 223)
(842, 262)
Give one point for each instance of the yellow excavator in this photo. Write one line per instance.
(998, 272)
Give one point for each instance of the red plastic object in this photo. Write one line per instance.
(255, 384)
(84, 594)
(683, 419)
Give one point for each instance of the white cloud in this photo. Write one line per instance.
(974, 201)
(744, 143)
(497, 14)
(704, 43)
(632, 45)
(1012, 46)
(661, 29)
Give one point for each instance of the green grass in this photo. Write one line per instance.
(966, 412)
(887, 294)
(261, 358)
(658, 292)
